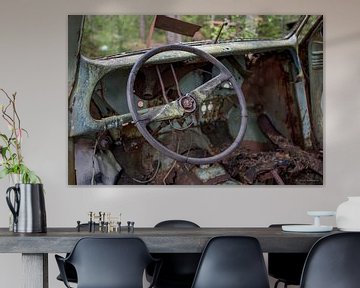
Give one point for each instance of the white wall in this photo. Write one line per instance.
(33, 62)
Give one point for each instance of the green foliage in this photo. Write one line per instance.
(109, 35)
(11, 159)
(27, 175)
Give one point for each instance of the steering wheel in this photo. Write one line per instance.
(185, 105)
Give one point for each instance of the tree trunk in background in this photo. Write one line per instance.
(250, 24)
(142, 28)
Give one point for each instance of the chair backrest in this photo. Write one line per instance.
(110, 262)
(178, 269)
(232, 262)
(176, 224)
(333, 262)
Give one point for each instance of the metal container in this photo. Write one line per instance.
(28, 207)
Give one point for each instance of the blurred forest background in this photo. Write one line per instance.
(115, 34)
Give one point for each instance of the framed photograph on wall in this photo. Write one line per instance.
(195, 99)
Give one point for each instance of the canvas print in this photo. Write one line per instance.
(195, 100)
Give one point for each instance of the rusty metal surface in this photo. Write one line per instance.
(309, 160)
(228, 48)
(316, 54)
(212, 175)
(302, 104)
(74, 38)
(174, 25)
(269, 89)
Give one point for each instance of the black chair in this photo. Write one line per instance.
(69, 269)
(232, 262)
(286, 267)
(333, 262)
(70, 273)
(178, 269)
(108, 263)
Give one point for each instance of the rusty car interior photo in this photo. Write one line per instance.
(205, 100)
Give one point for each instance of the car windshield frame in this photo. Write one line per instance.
(294, 30)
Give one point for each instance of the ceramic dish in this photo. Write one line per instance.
(306, 228)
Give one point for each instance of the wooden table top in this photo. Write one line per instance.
(158, 240)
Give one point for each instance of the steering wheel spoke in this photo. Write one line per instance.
(202, 92)
(169, 111)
